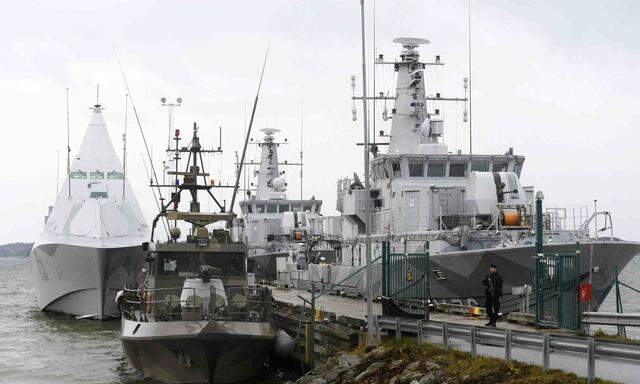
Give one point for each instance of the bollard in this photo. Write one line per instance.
(419, 332)
(398, 329)
(546, 351)
(474, 351)
(591, 361)
(507, 345)
(445, 335)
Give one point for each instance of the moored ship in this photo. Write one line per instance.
(195, 318)
(90, 246)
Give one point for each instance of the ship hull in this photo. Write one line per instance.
(463, 272)
(198, 351)
(83, 281)
(456, 277)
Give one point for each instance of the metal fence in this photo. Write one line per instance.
(547, 343)
(405, 281)
(556, 289)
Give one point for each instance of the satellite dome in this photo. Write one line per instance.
(278, 184)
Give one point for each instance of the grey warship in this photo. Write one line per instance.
(194, 318)
(90, 245)
(471, 208)
(283, 234)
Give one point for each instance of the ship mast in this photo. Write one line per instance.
(367, 188)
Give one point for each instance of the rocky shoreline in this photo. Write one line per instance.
(407, 363)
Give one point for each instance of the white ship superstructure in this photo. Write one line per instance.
(91, 243)
(278, 230)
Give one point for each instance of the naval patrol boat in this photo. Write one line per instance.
(195, 318)
(90, 246)
(283, 234)
(472, 208)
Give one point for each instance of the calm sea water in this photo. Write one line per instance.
(37, 347)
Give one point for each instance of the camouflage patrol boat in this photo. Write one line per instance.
(195, 318)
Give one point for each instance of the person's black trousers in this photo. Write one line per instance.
(492, 305)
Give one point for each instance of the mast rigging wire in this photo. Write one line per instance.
(144, 140)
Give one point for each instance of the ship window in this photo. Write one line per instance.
(272, 208)
(170, 267)
(249, 208)
(435, 170)
(78, 175)
(416, 169)
(96, 175)
(307, 208)
(480, 166)
(259, 208)
(296, 208)
(99, 195)
(115, 175)
(283, 208)
(500, 167)
(457, 169)
(395, 166)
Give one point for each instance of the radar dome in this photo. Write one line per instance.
(278, 184)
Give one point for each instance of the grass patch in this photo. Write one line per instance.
(461, 368)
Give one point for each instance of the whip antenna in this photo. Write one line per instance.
(68, 149)
(246, 139)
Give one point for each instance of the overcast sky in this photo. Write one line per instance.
(557, 81)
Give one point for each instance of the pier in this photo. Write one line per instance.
(340, 325)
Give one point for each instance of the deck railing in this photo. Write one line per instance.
(237, 303)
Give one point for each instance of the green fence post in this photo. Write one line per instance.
(578, 315)
(385, 268)
(427, 277)
(536, 278)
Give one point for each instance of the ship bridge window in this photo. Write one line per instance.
(480, 166)
(98, 195)
(96, 175)
(395, 166)
(78, 175)
(272, 208)
(259, 208)
(416, 169)
(115, 175)
(307, 208)
(457, 169)
(296, 208)
(500, 167)
(283, 208)
(227, 264)
(435, 170)
(249, 208)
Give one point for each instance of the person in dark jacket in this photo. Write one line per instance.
(492, 292)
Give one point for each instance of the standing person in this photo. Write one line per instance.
(492, 292)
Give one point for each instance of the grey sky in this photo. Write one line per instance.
(555, 80)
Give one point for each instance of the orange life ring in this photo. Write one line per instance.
(148, 299)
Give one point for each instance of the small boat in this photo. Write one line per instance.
(195, 318)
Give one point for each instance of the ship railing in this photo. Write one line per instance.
(236, 303)
(566, 218)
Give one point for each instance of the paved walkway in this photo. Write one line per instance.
(358, 308)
